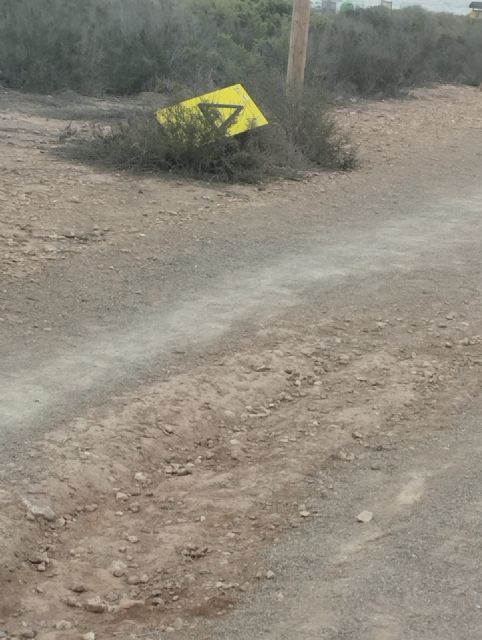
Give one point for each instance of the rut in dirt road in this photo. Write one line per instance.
(423, 236)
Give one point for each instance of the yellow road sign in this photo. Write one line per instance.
(231, 107)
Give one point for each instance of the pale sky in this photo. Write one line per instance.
(455, 6)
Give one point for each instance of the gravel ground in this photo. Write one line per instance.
(193, 374)
(411, 573)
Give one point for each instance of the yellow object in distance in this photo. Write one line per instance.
(231, 107)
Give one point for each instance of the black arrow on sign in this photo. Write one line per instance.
(211, 112)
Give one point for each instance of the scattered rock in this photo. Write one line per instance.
(126, 604)
(64, 625)
(365, 517)
(345, 457)
(78, 588)
(39, 558)
(132, 539)
(70, 601)
(194, 551)
(157, 602)
(95, 605)
(121, 496)
(27, 633)
(236, 453)
(133, 580)
(178, 470)
(270, 575)
(40, 511)
(91, 507)
(118, 569)
(140, 477)
(305, 514)
(89, 636)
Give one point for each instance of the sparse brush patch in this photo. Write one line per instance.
(187, 143)
(311, 130)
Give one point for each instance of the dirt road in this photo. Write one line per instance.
(413, 571)
(190, 373)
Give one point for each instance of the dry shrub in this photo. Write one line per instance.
(189, 143)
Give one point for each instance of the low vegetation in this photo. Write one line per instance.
(189, 144)
(182, 47)
(126, 46)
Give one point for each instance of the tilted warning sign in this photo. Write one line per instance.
(231, 108)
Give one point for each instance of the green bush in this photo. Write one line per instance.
(91, 46)
(378, 52)
(126, 46)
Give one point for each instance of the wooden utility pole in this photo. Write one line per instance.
(300, 26)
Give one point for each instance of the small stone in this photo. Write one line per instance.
(91, 508)
(118, 569)
(64, 625)
(140, 477)
(28, 633)
(39, 558)
(133, 580)
(78, 588)
(70, 601)
(357, 435)
(365, 517)
(134, 507)
(305, 514)
(41, 567)
(121, 496)
(236, 454)
(89, 636)
(270, 575)
(346, 457)
(41, 511)
(158, 602)
(132, 539)
(95, 605)
(126, 603)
